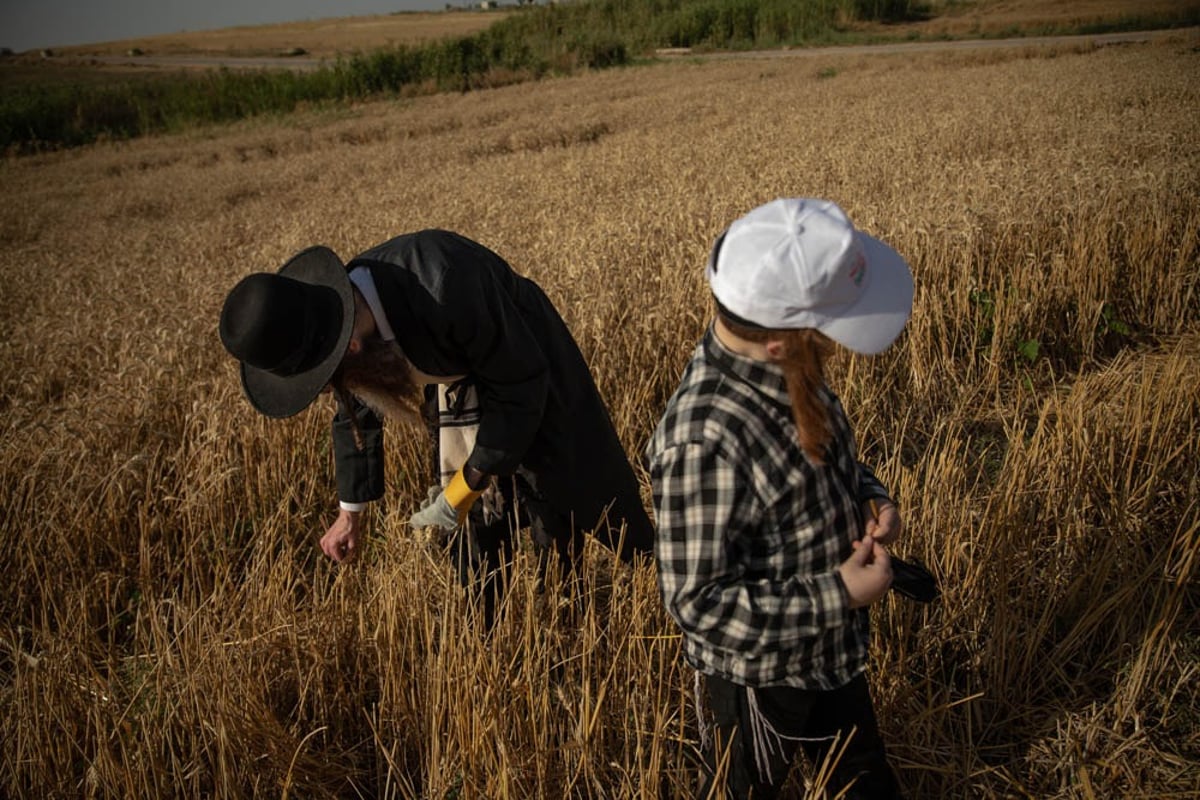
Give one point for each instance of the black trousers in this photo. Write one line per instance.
(483, 549)
(816, 721)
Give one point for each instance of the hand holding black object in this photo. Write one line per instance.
(910, 579)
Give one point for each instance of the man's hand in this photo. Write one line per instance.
(867, 573)
(883, 521)
(340, 542)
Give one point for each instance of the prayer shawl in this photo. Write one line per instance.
(458, 426)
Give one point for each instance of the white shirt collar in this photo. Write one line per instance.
(362, 280)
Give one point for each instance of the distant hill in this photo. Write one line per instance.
(320, 38)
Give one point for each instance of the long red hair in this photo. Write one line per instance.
(805, 352)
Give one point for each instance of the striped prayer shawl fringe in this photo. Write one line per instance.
(458, 425)
(767, 741)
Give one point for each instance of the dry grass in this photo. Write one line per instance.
(168, 627)
(323, 38)
(328, 38)
(1004, 17)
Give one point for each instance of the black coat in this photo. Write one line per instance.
(457, 308)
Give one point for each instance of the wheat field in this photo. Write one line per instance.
(168, 627)
(322, 38)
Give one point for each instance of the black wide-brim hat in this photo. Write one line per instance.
(290, 330)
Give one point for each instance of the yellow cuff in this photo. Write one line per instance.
(461, 496)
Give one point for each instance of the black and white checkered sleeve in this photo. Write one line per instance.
(870, 487)
(703, 506)
(698, 501)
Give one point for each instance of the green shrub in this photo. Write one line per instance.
(596, 35)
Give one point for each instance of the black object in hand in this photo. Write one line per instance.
(913, 581)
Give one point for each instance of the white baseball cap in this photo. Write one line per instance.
(800, 263)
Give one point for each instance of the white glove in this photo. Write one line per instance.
(437, 513)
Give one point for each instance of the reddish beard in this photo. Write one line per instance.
(380, 377)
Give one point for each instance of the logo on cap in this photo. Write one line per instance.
(859, 270)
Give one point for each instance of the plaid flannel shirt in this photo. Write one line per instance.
(751, 532)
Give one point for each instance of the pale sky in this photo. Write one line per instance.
(35, 24)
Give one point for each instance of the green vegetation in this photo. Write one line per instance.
(1185, 16)
(551, 39)
(539, 40)
(69, 115)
